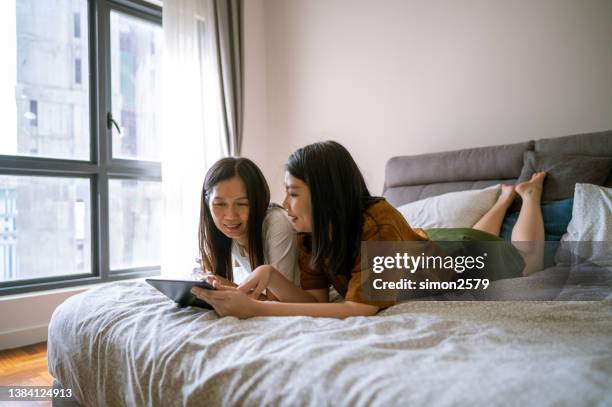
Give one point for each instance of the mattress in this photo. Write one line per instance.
(125, 344)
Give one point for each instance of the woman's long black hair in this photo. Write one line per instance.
(215, 247)
(339, 196)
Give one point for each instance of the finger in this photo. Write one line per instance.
(248, 285)
(223, 287)
(260, 287)
(219, 284)
(204, 293)
(198, 292)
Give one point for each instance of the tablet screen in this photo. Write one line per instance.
(179, 291)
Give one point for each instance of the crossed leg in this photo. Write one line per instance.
(491, 221)
(528, 232)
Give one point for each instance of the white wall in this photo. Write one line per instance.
(24, 318)
(400, 77)
(256, 144)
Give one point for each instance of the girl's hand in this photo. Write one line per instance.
(257, 281)
(218, 282)
(228, 302)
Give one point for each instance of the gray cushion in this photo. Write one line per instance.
(474, 164)
(597, 144)
(564, 171)
(594, 144)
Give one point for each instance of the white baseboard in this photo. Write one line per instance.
(24, 318)
(23, 336)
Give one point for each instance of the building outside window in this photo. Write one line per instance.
(33, 116)
(77, 25)
(77, 71)
(79, 203)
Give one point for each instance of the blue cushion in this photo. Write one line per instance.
(556, 217)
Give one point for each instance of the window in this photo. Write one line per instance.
(136, 94)
(134, 207)
(77, 25)
(77, 71)
(33, 116)
(80, 201)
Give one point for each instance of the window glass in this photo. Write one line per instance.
(135, 223)
(136, 92)
(45, 227)
(40, 50)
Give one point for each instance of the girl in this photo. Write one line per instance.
(328, 203)
(238, 223)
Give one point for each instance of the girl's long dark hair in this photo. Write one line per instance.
(339, 196)
(215, 247)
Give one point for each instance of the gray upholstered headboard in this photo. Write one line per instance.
(410, 178)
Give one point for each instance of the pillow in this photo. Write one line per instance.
(451, 210)
(556, 216)
(591, 224)
(564, 171)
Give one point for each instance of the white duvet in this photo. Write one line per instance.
(125, 344)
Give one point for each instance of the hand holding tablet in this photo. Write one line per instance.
(179, 291)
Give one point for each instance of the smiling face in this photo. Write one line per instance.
(229, 206)
(297, 203)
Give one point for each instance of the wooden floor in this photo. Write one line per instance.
(25, 366)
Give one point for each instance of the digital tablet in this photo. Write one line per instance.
(179, 291)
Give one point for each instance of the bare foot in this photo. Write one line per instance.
(507, 194)
(531, 188)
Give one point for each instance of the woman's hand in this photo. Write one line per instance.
(228, 301)
(258, 281)
(210, 278)
(218, 282)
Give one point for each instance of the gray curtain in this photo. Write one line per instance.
(228, 21)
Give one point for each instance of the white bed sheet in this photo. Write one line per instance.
(126, 344)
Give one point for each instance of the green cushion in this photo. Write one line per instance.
(460, 234)
(503, 259)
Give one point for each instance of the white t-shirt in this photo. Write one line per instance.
(279, 246)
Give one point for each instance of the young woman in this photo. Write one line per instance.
(237, 223)
(329, 204)
(528, 232)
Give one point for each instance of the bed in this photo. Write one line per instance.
(125, 344)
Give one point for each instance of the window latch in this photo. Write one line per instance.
(110, 122)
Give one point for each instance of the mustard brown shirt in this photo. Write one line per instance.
(381, 221)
